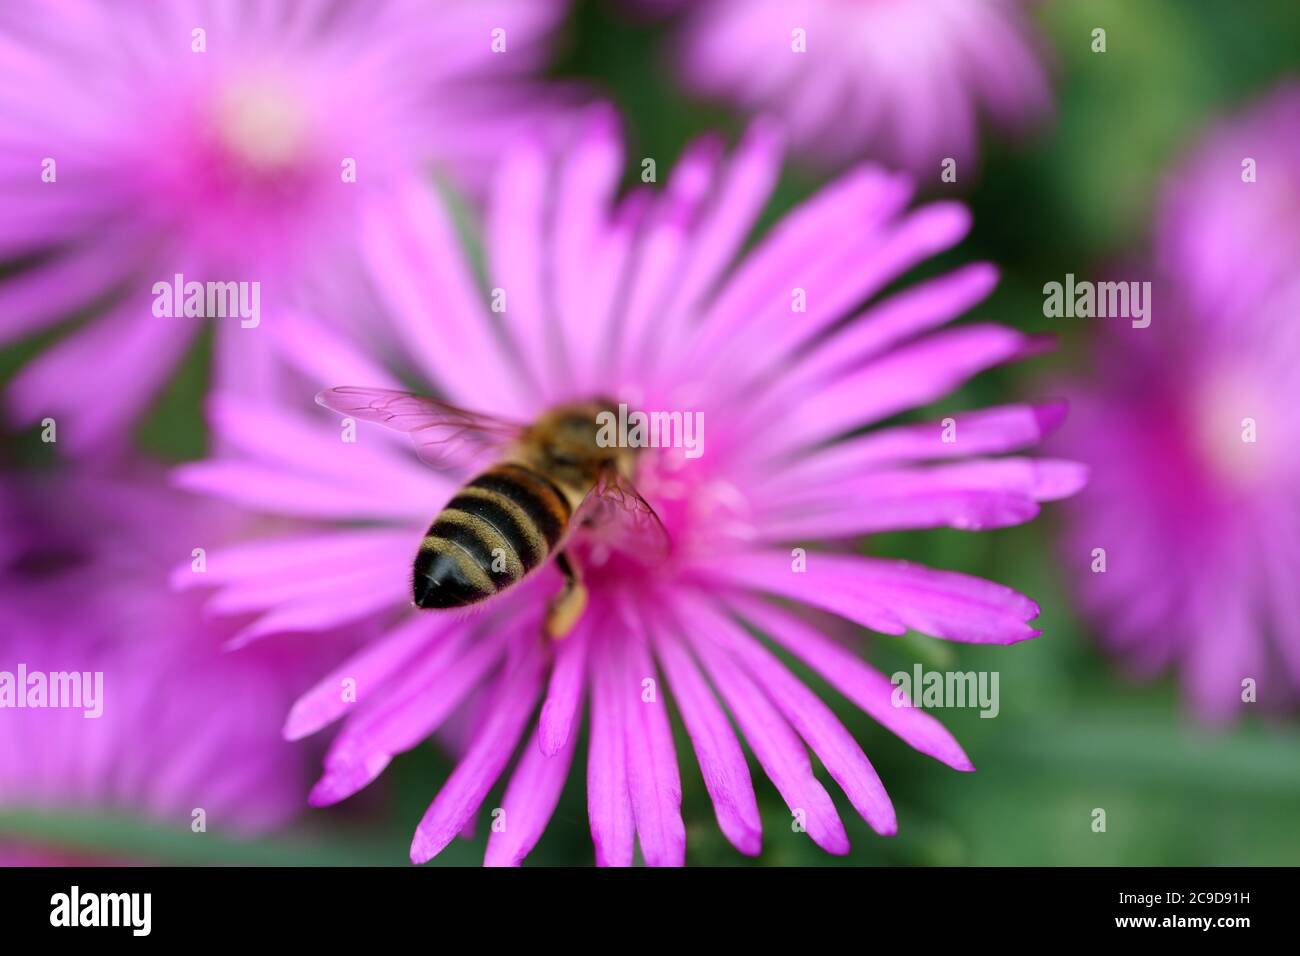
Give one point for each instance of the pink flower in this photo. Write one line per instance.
(647, 298)
(175, 724)
(904, 81)
(1187, 533)
(1227, 224)
(233, 142)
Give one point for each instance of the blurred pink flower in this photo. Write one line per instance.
(644, 298)
(1228, 240)
(1191, 431)
(226, 142)
(903, 81)
(182, 725)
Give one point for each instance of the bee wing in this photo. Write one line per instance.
(615, 514)
(442, 433)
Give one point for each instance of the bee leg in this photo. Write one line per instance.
(566, 607)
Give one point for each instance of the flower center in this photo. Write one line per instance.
(261, 125)
(1231, 415)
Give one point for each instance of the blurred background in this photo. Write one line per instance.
(1073, 734)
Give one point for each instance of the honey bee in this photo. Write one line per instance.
(551, 479)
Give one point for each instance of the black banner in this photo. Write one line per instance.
(337, 906)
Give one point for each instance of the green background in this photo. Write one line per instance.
(1073, 734)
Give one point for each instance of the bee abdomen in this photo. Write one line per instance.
(499, 527)
(543, 506)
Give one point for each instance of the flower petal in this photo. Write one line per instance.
(564, 695)
(722, 762)
(300, 555)
(860, 200)
(904, 315)
(530, 800)
(811, 719)
(845, 275)
(972, 495)
(890, 596)
(609, 804)
(856, 680)
(911, 376)
(324, 355)
(360, 675)
(741, 192)
(316, 449)
(46, 294)
(586, 181)
(270, 489)
(482, 764)
(419, 270)
(409, 712)
(516, 256)
(987, 431)
(118, 361)
(778, 749)
(654, 781)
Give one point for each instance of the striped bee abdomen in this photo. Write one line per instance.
(500, 526)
